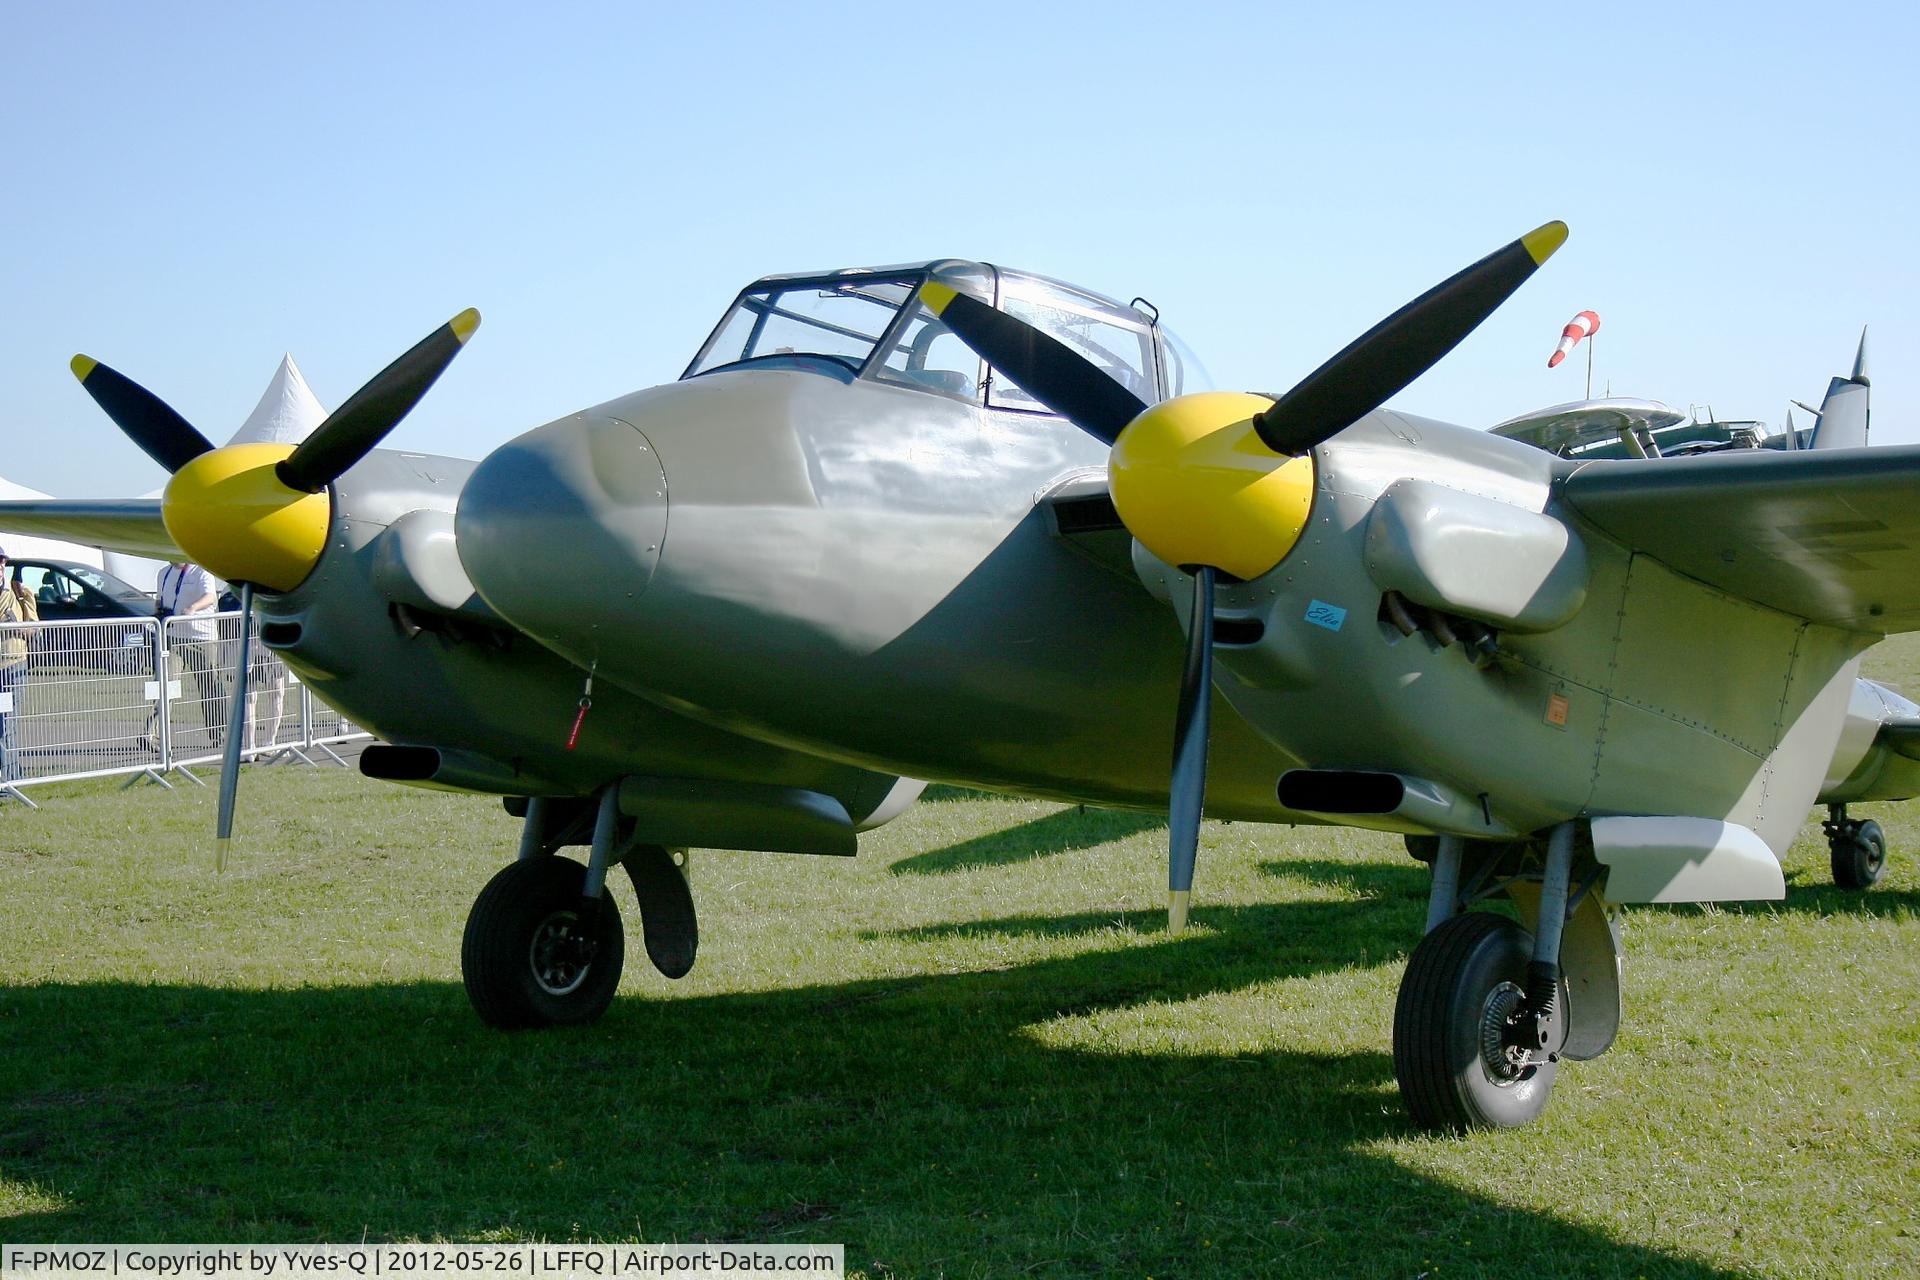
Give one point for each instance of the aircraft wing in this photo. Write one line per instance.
(1830, 535)
(132, 525)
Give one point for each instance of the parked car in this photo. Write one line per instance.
(68, 591)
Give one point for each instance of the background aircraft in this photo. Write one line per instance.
(855, 546)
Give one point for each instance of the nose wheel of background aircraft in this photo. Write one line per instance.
(1858, 847)
(536, 952)
(1465, 1048)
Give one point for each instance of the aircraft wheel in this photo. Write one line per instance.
(1859, 855)
(1451, 1052)
(535, 953)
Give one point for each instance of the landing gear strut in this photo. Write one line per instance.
(544, 944)
(1488, 1010)
(1858, 849)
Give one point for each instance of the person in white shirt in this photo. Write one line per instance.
(185, 590)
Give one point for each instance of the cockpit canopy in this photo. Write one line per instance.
(868, 323)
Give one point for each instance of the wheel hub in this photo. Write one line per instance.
(1504, 1027)
(561, 953)
(1873, 855)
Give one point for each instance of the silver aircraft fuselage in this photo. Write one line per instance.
(775, 576)
(772, 576)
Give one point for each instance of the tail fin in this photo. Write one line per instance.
(1842, 423)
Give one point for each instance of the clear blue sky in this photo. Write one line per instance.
(187, 190)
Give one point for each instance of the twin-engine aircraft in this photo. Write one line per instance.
(947, 521)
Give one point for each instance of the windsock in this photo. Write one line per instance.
(1584, 325)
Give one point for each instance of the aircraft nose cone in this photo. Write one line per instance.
(560, 530)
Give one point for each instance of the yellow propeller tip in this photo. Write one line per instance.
(1542, 241)
(464, 324)
(83, 366)
(937, 296)
(1177, 909)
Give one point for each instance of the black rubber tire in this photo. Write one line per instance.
(1859, 860)
(1437, 1022)
(496, 953)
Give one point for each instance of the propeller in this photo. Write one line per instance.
(1222, 482)
(257, 514)
(253, 512)
(1187, 796)
(237, 724)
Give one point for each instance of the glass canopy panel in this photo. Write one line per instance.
(836, 320)
(1185, 373)
(1117, 343)
(926, 355)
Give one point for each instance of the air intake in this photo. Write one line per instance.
(1341, 791)
(1091, 514)
(1391, 802)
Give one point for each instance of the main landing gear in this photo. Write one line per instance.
(544, 945)
(1487, 1009)
(1858, 849)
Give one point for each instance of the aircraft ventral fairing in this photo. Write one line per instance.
(936, 521)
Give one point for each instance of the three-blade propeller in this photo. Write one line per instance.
(1189, 488)
(254, 514)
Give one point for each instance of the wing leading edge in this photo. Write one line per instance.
(132, 525)
(1828, 535)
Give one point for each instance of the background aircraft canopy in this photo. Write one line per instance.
(868, 323)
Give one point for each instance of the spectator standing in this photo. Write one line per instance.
(266, 692)
(17, 605)
(186, 590)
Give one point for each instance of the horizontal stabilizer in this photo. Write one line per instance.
(132, 525)
(1832, 535)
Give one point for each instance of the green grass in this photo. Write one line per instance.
(972, 1051)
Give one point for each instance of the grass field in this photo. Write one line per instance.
(970, 1052)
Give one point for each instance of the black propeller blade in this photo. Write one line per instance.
(352, 430)
(1188, 794)
(147, 420)
(1379, 363)
(238, 722)
(1049, 370)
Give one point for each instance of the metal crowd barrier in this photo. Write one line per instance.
(148, 699)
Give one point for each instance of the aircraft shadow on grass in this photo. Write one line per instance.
(918, 1119)
(940, 793)
(1812, 894)
(1062, 832)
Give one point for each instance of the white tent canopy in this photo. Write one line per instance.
(288, 411)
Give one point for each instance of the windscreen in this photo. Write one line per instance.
(840, 321)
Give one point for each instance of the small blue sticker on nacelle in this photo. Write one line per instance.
(1322, 614)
